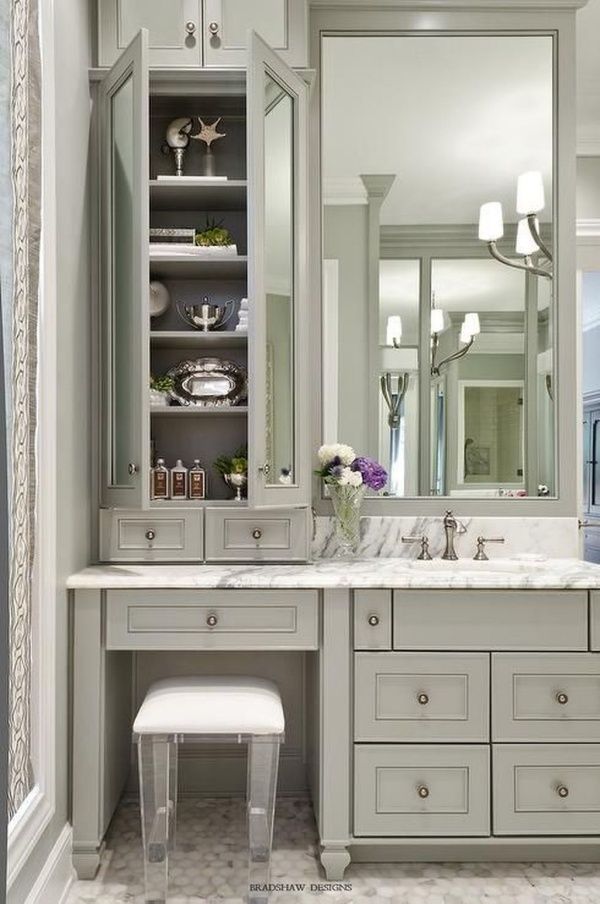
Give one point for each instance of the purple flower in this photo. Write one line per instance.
(373, 475)
(336, 471)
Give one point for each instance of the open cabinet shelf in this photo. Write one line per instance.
(192, 411)
(185, 266)
(199, 339)
(189, 194)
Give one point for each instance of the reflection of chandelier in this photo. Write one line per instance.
(469, 329)
(530, 201)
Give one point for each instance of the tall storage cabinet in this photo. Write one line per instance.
(258, 191)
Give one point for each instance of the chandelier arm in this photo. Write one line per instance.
(435, 368)
(535, 234)
(529, 268)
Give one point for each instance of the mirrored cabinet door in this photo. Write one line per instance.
(277, 139)
(124, 275)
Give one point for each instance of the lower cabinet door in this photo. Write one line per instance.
(410, 789)
(546, 789)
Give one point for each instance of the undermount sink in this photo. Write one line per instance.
(510, 566)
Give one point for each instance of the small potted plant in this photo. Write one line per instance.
(347, 477)
(215, 239)
(160, 391)
(234, 471)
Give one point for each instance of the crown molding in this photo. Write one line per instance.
(588, 228)
(344, 192)
(588, 147)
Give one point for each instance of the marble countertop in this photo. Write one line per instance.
(526, 572)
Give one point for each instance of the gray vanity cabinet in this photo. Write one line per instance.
(210, 33)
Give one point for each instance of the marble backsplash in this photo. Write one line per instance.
(381, 536)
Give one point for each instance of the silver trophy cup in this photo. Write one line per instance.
(205, 316)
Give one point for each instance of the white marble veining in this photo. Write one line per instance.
(382, 536)
(529, 572)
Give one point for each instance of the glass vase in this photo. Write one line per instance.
(347, 501)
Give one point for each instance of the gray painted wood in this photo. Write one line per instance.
(527, 779)
(259, 535)
(181, 620)
(421, 697)
(172, 535)
(282, 23)
(476, 850)
(595, 620)
(527, 690)
(169, 42)
(335, 740)
(490, 620)
(375, 605)
(388, 777)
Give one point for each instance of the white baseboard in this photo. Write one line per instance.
(53, 883)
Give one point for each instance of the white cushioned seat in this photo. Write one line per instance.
(222, 705)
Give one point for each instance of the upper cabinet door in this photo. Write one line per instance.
(279, 463)
(282, 23)
(175, 30)
(124, 276)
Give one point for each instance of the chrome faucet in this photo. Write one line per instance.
(452, 527)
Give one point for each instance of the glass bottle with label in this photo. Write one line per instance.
(197, 481)
(159, 480)
(179, 480)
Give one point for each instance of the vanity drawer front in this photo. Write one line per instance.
(546, 789)
(546, 697)
(372, 620)
(402, 789)
(490, 620)
(238, 535)
(172, 535)
(421, 697)
(211, 619)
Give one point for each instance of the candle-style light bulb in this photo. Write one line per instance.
(491, 225)
(437, 320)
(393, 330)
(526, 243)
(471, 322)
(530, 193)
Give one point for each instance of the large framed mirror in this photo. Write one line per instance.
(438, 240)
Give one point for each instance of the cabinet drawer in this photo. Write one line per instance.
(421, 790)
(546, 697)
(372, 620)
(490, 620)
(421, 696)
(242, 535)
(546, 789)
(171, 535)
(211, 619)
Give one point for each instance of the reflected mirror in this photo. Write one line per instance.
(438, 315)
(279, 275)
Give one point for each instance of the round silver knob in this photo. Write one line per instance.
(423, 791)
(562, 698)
(257, 533)
(213, 27)
(190, 27)
(373, 620)
(211, 621)
(423, 699)
(132, 468)
(150, 535)
(562, 791)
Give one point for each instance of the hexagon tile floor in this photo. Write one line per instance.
(209, 865)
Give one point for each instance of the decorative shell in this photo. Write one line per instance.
(178, 132)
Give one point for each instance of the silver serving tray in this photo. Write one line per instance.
(208, 383)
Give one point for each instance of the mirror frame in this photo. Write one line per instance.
(558, 24)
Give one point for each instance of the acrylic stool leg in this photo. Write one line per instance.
(263, 763)
(155, 754)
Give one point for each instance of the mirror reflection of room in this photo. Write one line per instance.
(438, 351)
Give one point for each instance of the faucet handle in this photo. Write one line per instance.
(481, 555)
(424, 555)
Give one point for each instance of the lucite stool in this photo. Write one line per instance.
(239, 710)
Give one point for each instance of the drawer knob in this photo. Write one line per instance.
(257, 533)
(190, 27)
(213, 27)
(562, 791)
(150, 535)
(212, 621)
(423, 699)
(562, 698)
(132, 468)
(373, 620)
(423, 791)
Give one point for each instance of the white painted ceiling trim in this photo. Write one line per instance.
(588, 147)
(588, 228)
(344, 191)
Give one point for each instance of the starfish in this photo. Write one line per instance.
(208, 133)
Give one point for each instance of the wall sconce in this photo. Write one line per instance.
(393, 334)
(469, 329)
(530, 201)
